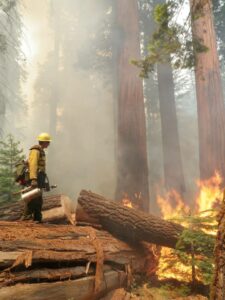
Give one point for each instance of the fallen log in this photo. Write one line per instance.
(128, 224)
(80, 289)
(45, 274)
(48, 261)
(56, 209)
(51, 243)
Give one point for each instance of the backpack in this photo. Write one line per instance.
(21, 173)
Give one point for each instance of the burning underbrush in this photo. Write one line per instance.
(191, 267)
(186, 272)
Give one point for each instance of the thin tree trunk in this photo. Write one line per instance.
(172, 162)
(132, 149)
(153, 126)
(2, 116)
(218, 286)
(173, 170)
(6, 82)
(210, 102)
(55, 90)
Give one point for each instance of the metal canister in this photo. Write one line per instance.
(28, 196)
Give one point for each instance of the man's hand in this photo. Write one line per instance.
(34, 183)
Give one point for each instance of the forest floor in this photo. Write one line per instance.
(145, 292)
(163, 290)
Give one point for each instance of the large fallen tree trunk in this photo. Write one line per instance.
(24, 243)
(62, 262)
(129, 224)
(56, 209)
(79, 289)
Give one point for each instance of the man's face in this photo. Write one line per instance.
(45, 145)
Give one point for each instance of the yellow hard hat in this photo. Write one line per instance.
(44, 137)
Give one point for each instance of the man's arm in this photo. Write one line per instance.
(33, 163)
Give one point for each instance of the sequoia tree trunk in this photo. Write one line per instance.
(132, 177)
(210, 102)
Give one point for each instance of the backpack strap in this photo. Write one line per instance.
(36, 147)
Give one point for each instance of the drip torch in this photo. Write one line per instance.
(29, 193)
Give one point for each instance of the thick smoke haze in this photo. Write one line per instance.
(82, 153)
(70, 93)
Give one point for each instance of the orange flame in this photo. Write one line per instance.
(126, 201)
(210, 194)
(172, 205)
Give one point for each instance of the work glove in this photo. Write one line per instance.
(33, 183)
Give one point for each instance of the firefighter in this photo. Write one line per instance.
(37, 177)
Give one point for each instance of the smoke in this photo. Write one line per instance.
(69, 96)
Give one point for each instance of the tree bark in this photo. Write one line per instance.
(210, 102)
(132, 149)
(218, 286)
(173, 170)
(131, 225)
(29, 244)
(79, 289)
(56, 209)
(172, 162)
(40, 256)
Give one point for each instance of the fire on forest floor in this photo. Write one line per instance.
(174, 208)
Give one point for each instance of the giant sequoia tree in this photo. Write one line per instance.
(132, 152)
(198, 50)
(210, 102)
